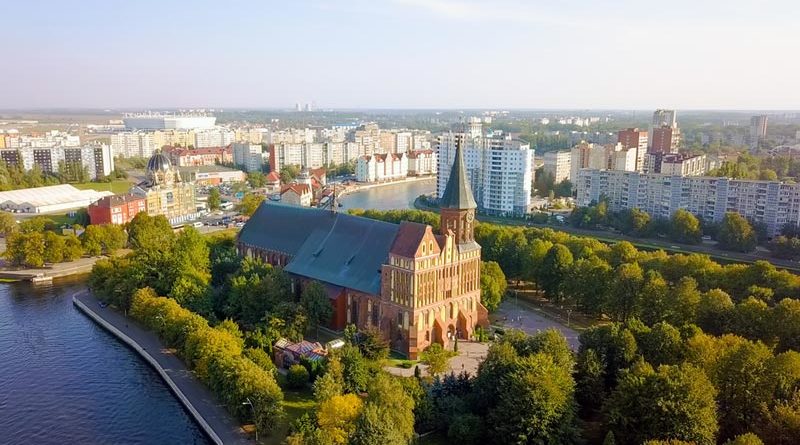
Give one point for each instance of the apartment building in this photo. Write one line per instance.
(214, 137)
(96, 160)
(771, 203)
(558, 164)
(499, 168)
(248, 156)
(676, 164)
(634, 138)
(421, 163)
(758, 130)
(186, 157)
(131, 144)
(381, 167)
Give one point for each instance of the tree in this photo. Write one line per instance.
(534, 404)
(256, 179)
(634, 222)
(555, 267)
(675, 402)
(214, 199)
(250, 204)
(493, 285)
(317, 304)
(26, 249)
(437, 358)
(626, 292)
(741, 376)
(736, 233)
(388, 416)
(92, 239)
(72, 247)
(288, 173)
(151, 234)
(355, 369)
(54, 246)
(8, 224)
(336, 417)
(587, 284)
(331, 383)
(297, 376)
(685, 227)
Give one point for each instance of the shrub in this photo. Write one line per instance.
(297, 377)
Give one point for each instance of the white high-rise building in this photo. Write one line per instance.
(214, 137)
(500, 169)
(128, 144)
(558, 164)
(771, 203)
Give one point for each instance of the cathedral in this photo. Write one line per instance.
(415, 286)
(165, 192)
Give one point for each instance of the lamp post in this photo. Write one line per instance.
(253, 408)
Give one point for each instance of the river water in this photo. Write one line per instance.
(389, 197)
(64, 380)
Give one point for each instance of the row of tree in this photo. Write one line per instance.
(217, 356)
(34, 242)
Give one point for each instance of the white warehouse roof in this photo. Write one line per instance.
(49, 199)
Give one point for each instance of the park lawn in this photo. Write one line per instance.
(61, 219)
(119, 187)
(295, 404)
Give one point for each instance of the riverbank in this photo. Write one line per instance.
(210, 415)
(78, 267)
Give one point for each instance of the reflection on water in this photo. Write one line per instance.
(63, 380)
(389, 197)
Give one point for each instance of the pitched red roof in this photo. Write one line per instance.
(273, 177)
(300, 189)
(409, 236)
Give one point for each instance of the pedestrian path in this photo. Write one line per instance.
(211, 415)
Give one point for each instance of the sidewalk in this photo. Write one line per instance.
(197, 399)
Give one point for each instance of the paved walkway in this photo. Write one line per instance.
(199, 397)
(523, 316)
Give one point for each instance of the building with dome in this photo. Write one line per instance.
(165, 192)
(414, 285)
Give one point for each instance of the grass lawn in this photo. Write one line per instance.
(60, 220)
(295, 404)
(116, 187)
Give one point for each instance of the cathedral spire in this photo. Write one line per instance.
(457, 194)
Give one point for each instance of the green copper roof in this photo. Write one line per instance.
(457, 194)
(335, 248)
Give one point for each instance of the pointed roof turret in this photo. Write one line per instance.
(457, 194)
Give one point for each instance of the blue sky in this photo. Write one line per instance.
(699, 54)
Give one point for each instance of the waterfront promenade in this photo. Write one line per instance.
(210, 415)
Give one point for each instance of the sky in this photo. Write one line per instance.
(433, 54)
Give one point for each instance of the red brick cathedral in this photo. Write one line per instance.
(415, 286)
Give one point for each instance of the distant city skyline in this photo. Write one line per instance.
(415, 54)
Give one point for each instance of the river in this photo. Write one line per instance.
(64, 380)
(389, 197)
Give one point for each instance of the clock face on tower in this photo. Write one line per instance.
(470, 217)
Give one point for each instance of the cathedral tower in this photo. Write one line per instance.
(457, 203)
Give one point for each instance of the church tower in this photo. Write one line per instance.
(457, 203)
